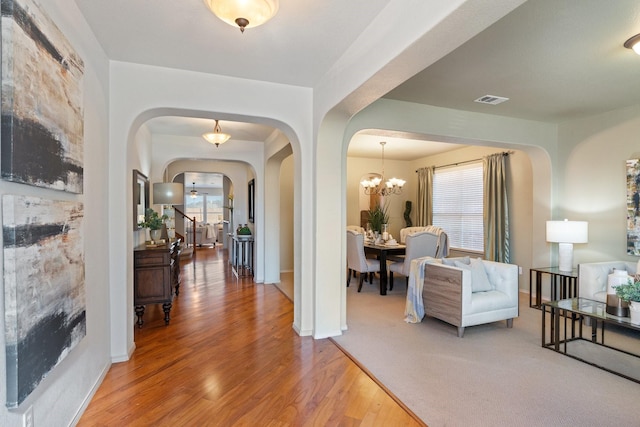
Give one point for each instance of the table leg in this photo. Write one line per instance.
(139, 309)
(166, 307)
(555, 316)
(383, 273)
(530, 288)
(544, 329)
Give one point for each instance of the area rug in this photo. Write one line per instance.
(493, 376)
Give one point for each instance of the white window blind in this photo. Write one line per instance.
(458, 205)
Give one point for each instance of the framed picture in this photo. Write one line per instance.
(42, 113)
(44, 288)
(633, 207)
(252, 198)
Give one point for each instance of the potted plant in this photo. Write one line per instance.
(378, 216)
(630, 292)
(153, 222)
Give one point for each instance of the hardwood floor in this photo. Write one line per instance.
(230, 357)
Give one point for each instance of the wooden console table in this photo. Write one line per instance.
(156, 272)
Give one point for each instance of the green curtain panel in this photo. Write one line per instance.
(424, 208)
(496, 209)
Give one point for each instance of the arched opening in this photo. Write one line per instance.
(163, 155)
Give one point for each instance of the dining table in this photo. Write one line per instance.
(382, 251)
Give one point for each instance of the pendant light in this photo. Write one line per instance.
(194, 192)
(216, 137)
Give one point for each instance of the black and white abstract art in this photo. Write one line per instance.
(633, 207)
(44, 288)
(42, 115)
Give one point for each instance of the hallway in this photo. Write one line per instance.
(230, 357)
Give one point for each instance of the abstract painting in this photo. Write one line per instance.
(42, 116)
(44, 288)
(633, 207)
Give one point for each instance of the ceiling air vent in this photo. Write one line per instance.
(491, 99)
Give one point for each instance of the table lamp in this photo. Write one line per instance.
(566, 233)
(168, 193)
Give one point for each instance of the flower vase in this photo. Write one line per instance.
(634, 312)
(155, 235)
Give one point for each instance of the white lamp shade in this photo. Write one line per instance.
(567, 231)
(168, 193)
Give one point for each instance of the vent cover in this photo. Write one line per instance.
(491, 99)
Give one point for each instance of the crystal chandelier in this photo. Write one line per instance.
(216, 137)
(243, 13)
(375, 186)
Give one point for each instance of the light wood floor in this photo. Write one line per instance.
(230, 357)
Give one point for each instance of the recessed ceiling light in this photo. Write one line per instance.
(491, 99)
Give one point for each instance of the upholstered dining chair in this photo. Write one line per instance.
(356, 261)
(421, 244)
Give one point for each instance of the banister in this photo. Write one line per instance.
(193, 228)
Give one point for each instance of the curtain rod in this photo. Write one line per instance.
(504, 153)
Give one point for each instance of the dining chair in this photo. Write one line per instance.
(356, 259)
(419, 245)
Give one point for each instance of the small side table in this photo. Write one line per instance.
(564, 281)
(242, 255)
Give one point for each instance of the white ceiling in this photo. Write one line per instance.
(554, 59)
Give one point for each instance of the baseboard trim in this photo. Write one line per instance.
(123, 357)
(89, 397)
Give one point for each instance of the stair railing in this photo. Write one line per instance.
(193, 228)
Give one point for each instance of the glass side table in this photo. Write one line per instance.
(564, 284)
(563, 331)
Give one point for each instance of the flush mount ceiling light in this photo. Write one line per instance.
(633, 43)
(243, 13)
(216, 137)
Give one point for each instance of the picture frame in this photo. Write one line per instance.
(252, 198)
(633, 207)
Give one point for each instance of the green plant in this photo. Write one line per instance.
(630, 291)
(152, 220)
(378, 216)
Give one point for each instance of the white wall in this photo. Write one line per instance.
(286, 214)
(200, 95)
(592, 180)
(61, 395)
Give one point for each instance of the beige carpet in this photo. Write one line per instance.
(494, 376)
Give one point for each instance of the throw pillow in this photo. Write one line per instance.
(479, 279)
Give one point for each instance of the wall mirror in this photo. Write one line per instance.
(140, 197)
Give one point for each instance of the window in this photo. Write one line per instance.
(458, 205)
(205, 207)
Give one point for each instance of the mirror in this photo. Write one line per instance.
(140, 197)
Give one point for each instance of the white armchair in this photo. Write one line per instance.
(593, 276)
(483, 292)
